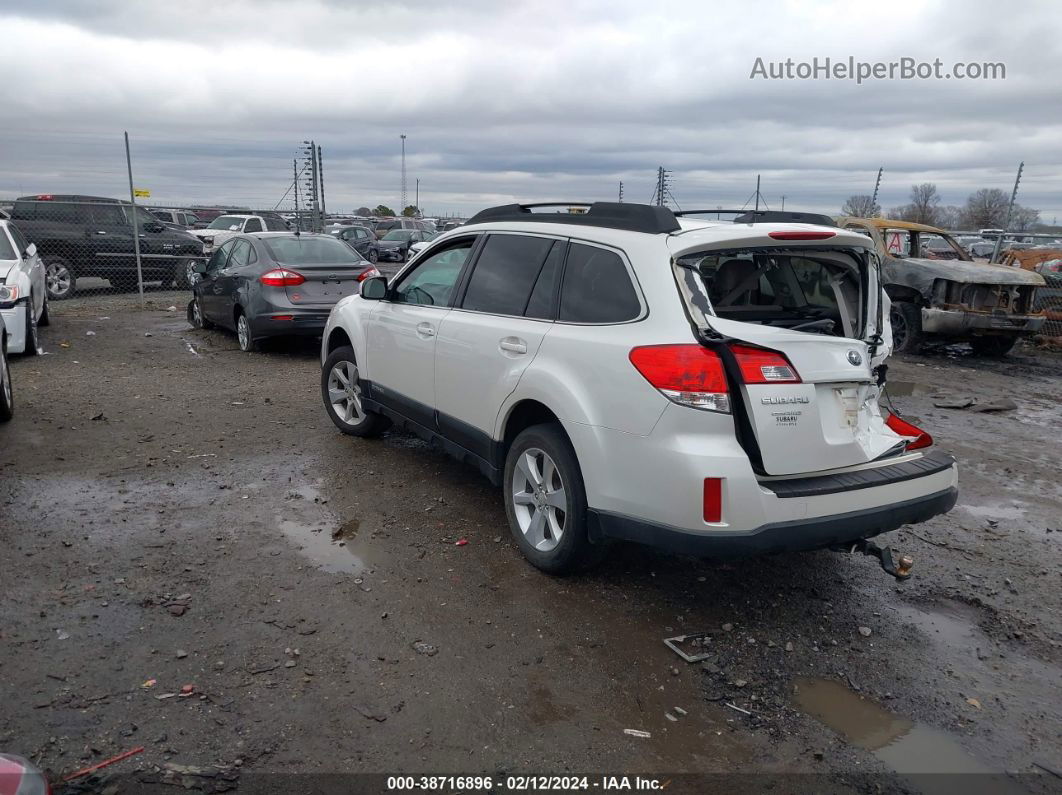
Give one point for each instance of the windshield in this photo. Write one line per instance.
(306, 250)
(231, 223)
(399, 234)
(6, 252)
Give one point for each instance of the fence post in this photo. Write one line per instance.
(135, 222)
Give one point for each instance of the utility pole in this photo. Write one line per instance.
(621, 192)
(416, 202)
(783, 201)
(402, 203)
(135, 222)
(663, 188)
(298, 212)
(320, 175)
(1010, 210)
(877, 184)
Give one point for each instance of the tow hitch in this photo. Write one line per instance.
(899, 566)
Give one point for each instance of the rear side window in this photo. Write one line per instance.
(275, 225)
(541, 303)
(505, 274)
(597, 288)
(252, 225)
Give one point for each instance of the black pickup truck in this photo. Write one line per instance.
(80, 236)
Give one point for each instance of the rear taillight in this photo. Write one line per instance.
(368, 273)
(919, 438)
(281, 277)
(759, 366)
(690, 375)
(800, 234)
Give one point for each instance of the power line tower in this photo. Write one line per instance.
(403, 204)
(1010, 211)
(663, 187)
(311, 185)
(621, 192)
(877, 184)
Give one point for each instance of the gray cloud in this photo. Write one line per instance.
(530, 100)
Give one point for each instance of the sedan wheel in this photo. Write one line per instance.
(243, 333)
(374, 257)
(31, 329)
(539, 500)
(7, 401)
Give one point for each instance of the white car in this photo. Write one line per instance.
(225, 226)
(707, 387)
(23, 297)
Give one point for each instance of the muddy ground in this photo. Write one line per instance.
(175, 512)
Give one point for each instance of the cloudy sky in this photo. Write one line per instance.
(524, 100)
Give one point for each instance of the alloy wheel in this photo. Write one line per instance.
(57, 277)
(539, 499)
(243, 332)
(344, 392)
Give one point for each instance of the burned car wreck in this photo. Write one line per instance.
(949, 296)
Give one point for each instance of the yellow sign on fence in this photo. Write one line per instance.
(140, 193)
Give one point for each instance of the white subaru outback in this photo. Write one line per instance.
(626, 373)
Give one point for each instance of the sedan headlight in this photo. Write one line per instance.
(207, 242)
(8, 292)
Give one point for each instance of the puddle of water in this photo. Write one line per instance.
(908, 748)
(328, 552)
(908, 389)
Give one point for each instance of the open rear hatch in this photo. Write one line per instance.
(799, 327)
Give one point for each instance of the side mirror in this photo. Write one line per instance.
(199, 267)
(374, 288)
(31, 250)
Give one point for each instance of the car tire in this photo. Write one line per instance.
(550, 530)
(30, 348)
(341, 393)
(373, 257)
(59, 278)
(196, 318)
(7, 400)
(906, 320)
(992, 346)
(245, 333)
(45, 319)
(183, 276)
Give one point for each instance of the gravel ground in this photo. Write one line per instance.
(177, 514)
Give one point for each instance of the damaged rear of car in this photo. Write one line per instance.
(939, 292)
(799, 323)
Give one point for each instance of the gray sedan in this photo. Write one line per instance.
(274, 284)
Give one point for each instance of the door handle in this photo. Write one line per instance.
(513, 345)
(425, 330)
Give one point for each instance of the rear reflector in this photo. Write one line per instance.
(800, 234)
(282, 317)
(281, 277)
(919, 438)
(690, 375)
(760, 366)
(713, 500)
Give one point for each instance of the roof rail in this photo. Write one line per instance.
(647, 218)
(768, 216)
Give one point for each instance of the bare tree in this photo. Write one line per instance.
(950, 217)
(1024, 218)
(861, 206)
(925, 204)
(987, 208)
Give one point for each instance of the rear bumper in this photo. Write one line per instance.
(792, 536)
(290, 322)
(957, 322)
(15, 322)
